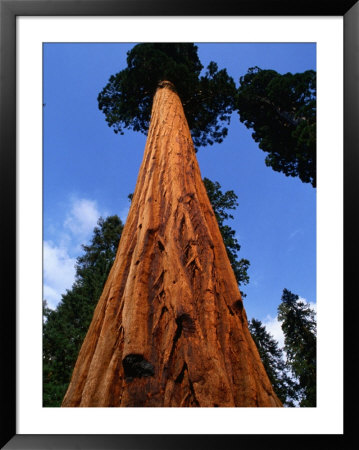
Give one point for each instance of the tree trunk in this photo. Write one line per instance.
(170, 328)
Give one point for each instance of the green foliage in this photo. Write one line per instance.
(299, 328)
(208, 99)
(281, 109)
(221, 203)
(65, 327)
(273, 360)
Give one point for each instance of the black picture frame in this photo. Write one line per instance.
(9, 10)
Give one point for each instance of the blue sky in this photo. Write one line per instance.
(89, 171)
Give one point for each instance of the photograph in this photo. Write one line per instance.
(179, 224)
(175, 178)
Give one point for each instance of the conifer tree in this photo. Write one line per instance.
(274, 362)
(299, 328)
(170, 328)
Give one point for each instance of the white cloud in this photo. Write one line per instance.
(273, 327)
(82, 217)
(59, 254)
(59, 272)
(311, 304)
(51, 296)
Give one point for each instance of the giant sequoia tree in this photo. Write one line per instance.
(169, 328)
(281, 111)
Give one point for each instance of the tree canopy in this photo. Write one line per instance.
(281, 111)
(208, 100)
(299, 328)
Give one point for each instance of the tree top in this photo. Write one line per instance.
(208, 99)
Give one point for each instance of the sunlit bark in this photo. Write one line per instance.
(170, 328)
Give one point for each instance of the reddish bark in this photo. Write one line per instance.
(170, 328)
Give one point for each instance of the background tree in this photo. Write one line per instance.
(299, 328)
(273, 360)
(65, 327)
(281, 111)
(208, 99)
(221, 204)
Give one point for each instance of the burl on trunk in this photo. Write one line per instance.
(170, 328)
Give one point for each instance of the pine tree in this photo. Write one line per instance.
(299, 328)
(65, 327)
(273, 360)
